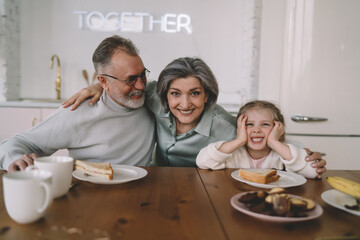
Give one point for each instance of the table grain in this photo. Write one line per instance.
(169, 203)
(334, 222)
(175, 203)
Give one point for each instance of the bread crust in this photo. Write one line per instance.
(263, 176)
(103, 170)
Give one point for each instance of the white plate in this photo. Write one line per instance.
(315, 213)
(338, 199)
(122, 174)
(287, 179)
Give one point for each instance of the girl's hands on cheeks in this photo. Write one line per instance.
(240, 140)
(241, 129)
(276, 132)
(273, 141)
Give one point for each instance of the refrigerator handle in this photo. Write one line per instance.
(299, 118)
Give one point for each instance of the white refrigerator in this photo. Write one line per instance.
(319, 76)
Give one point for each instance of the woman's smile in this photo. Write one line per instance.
(186, 112)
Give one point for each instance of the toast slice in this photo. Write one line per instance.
(263, 176)
(97, 169)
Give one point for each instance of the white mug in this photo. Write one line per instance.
(61, 168)
(27, 194)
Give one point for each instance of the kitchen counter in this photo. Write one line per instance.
(30, 104)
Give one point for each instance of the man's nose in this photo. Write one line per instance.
(139, 84)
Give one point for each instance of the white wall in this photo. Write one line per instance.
(271, 50)
(9, 50)
(226, 35)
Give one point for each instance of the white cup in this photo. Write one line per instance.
(27, 194)
(61, 168)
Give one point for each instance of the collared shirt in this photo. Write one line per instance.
(181, 150)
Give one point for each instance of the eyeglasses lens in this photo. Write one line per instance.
(132, 80)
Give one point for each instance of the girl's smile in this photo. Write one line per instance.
(257, 140)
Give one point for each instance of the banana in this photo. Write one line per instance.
(345, 185)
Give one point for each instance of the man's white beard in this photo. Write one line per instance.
(133, 104)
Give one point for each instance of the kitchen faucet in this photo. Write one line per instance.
(58, 78)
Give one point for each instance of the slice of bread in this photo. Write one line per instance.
(263, 176)
(98, 169)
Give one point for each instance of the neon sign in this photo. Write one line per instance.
(133, 22)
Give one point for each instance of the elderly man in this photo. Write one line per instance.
(116, 129)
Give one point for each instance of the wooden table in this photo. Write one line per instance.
(333, 222)
(175, 203)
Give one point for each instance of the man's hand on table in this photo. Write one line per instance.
(24, 161)
(318, 162)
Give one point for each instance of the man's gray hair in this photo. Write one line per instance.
(183, 68)
(106, 49)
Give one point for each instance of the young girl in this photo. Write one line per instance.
(259, 144)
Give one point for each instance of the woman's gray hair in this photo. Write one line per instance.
(183, 68)
(106, 49)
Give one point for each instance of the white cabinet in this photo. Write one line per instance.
(17, 120)
(333, 148)
(311, 68)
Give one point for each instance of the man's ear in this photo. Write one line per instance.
(103, 82)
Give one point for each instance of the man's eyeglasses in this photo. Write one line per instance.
(132, 79)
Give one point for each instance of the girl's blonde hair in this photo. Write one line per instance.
(264, 105)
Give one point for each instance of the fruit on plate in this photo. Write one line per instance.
(277, 202)
(310, 204)
(253, 197)
(345, 185)
(277, 190)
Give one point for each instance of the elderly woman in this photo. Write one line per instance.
(188, 117)
(183, 101)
